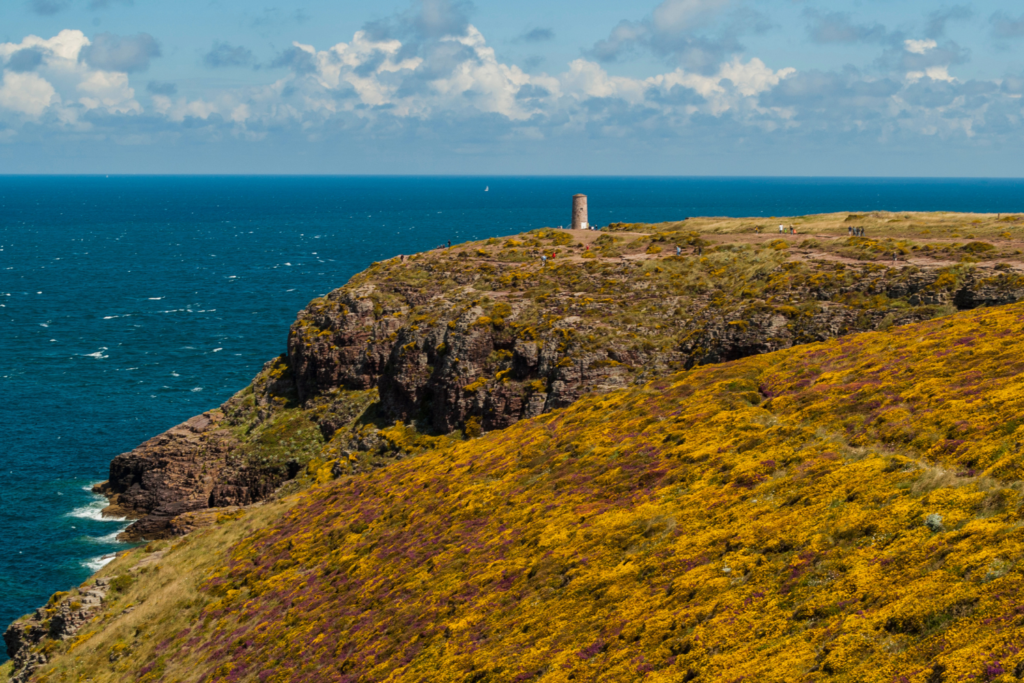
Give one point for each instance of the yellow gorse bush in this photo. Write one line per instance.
(842, 511)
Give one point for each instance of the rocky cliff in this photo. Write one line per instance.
(481, 336)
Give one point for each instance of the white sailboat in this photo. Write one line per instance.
(487, 188)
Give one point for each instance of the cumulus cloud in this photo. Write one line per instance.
(919, 47)
(403, 76)
(222, 54)
(1004, 26)
(121, 53)
(48, 79)
(26, 93)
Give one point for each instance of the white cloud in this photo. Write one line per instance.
(342, 64)
(26, 94)
(747, 80)
(65, 46)
(919, 47)
(587, 79)
(494, 85)
(455, 85)
(62, 84)
(366, 80)
(936, 73)
(109, 91)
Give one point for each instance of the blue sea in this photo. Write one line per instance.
(129, 304)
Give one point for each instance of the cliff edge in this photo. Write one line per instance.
(470, 339)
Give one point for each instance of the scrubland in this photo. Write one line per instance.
(847, 510)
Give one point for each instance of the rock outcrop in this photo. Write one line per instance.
(192, 466)
(60, 620)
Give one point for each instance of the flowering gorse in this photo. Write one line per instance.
(840, 511)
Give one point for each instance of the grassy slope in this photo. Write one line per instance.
(763, 519)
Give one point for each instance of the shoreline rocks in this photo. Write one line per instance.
(60, 621)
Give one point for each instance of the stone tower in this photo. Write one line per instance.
(579, 212)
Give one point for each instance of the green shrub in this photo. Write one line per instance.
(121, 583)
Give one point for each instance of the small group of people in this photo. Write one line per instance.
(854, 232)
(782, 229)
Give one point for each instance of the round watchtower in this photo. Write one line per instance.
(579, 212)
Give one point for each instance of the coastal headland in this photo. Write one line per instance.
(696, 450)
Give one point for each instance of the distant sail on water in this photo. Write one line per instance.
(487, 188)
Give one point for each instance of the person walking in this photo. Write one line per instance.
(782, 229)
(543, 260)
(678, 250)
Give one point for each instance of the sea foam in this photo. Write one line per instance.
(94, 511)
(110, 538)
(97, 563)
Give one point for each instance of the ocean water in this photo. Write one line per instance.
(129, 304)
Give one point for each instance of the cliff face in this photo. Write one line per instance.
(848, 510)
(498, 356)
(484, 335)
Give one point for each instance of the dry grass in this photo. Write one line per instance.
(114, 646)
(917, 224)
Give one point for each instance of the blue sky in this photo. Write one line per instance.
(676, 87)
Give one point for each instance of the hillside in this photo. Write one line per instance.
(840, 511)
(734, 483)
(470, 339)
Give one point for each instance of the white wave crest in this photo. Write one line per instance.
(110, 538)
(97, 563)
(94, 511)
